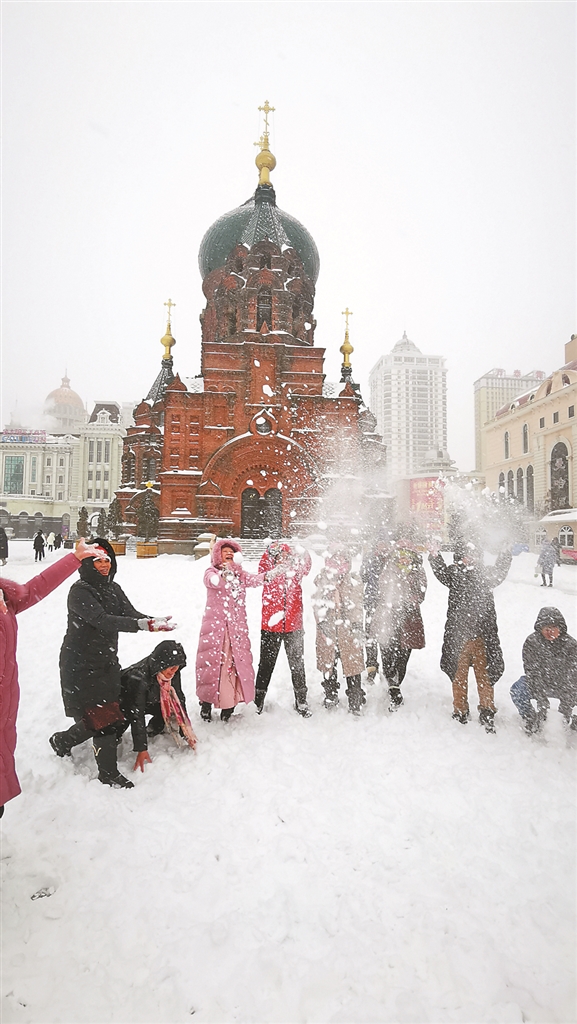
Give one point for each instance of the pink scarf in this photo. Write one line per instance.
(174, 715)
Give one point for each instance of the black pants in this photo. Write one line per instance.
(395, 661)
(354, 690)
(270, 644)
(104, 743)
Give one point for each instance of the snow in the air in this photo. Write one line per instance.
(392, 868)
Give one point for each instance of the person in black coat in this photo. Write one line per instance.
(371, 570)
(3, 546)
(550, 663)
(471, 637)
(38, 545)
(98, 609)
(140, 694)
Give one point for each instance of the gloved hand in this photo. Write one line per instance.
(160, 625)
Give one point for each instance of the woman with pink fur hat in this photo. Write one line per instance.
(224, 668)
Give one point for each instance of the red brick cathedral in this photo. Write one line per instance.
(247, 447)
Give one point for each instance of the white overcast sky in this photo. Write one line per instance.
(428, 147)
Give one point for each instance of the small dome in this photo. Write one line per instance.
(64, 395)
(255, 220)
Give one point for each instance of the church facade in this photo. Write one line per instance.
(248, 447)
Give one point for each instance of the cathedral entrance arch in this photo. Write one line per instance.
(261, 516)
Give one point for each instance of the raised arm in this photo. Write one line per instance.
(28, 594)
(498, 572)
(440, 569)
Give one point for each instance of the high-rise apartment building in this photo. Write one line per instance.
(409, 399)
(492, 391)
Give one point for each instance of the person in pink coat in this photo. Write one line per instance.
(15, 598)
(224, 669)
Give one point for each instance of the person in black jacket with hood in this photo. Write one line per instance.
(550, 663)
(141, 694)
(98, 609)
(471, 637)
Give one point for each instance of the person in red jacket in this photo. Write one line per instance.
(282, 620)
(15, 598)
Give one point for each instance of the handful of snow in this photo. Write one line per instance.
(237, 557)
(275, 619)
(214, 579)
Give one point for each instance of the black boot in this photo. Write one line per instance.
(62, 742)
(226, 713)
(461, 716)
(487, 719)
(259, 700)
(104, 746)
(206, 710)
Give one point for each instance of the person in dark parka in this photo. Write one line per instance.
(548, 559)
(140, 694)
(38, 545)
(3, 546)
(98, 609)
(550, 663)
(371, 569)
(471, 636)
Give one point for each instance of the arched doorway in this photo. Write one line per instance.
(559, 476)
(261, 517)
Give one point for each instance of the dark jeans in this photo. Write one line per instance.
(354, 690)
(394, 658)
(270, 644)
(521, 698)
(104, 743)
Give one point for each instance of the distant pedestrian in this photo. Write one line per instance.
(50, 541)
(338, 608)
(3, 546)
(58, 542)
(546, 562)
(38, 545)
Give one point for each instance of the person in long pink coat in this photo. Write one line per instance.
(224, 668)
(15, 598)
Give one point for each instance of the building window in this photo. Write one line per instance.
(47, 480)
(60, 479)
(99, 451)
(98, 474)
(89, 493)
(105, 492)
(106, 474)
(265, 263)
(520, 495)
(91, 451)
(555, 417)
(59, 496)
(90, 474)
(264, 309)
(61, 462)
(501, 485)
(559, 476)
(530, 489)
(14, 474)
(565, 380)
(33, 470)
(97, 493)
(232, 323)
(507, 445)
(525, 439)
(571, 411)
(107, 451)
(566, 537)
(510, 484)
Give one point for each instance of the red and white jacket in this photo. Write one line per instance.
(282, 598)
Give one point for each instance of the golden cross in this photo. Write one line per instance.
(170, 304)
(267, 109)
(347, 313)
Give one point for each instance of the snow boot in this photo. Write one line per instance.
(372, 672)
(155, 726)
(62, 742)
(487, 719)
(395, 698)
(226, 713)
(259, 701)
(331, 700)
(206, 710)
(303, 709)
(117, 781)
(461, 716)
(59, 745)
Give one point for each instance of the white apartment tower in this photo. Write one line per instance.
(409, 399)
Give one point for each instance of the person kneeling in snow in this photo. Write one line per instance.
(89, 670)
(550, 663)
(224, 670)
(282, 620)
(153, 687)
(338, 608)
(471, 637)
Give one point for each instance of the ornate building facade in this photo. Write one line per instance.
(247, 448)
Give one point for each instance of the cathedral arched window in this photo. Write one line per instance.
(264, 308)
(232, 323)
(520, 488)
(507, 444)
(525, 438)
(129, 469)
(559, 476)
(501, 485)
(510, 484)
(152, 469)
(265, 262)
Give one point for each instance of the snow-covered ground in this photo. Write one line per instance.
(395, 868)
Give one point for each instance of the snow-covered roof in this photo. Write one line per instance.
(568, 515)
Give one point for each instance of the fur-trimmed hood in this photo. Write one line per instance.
(221, 543)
